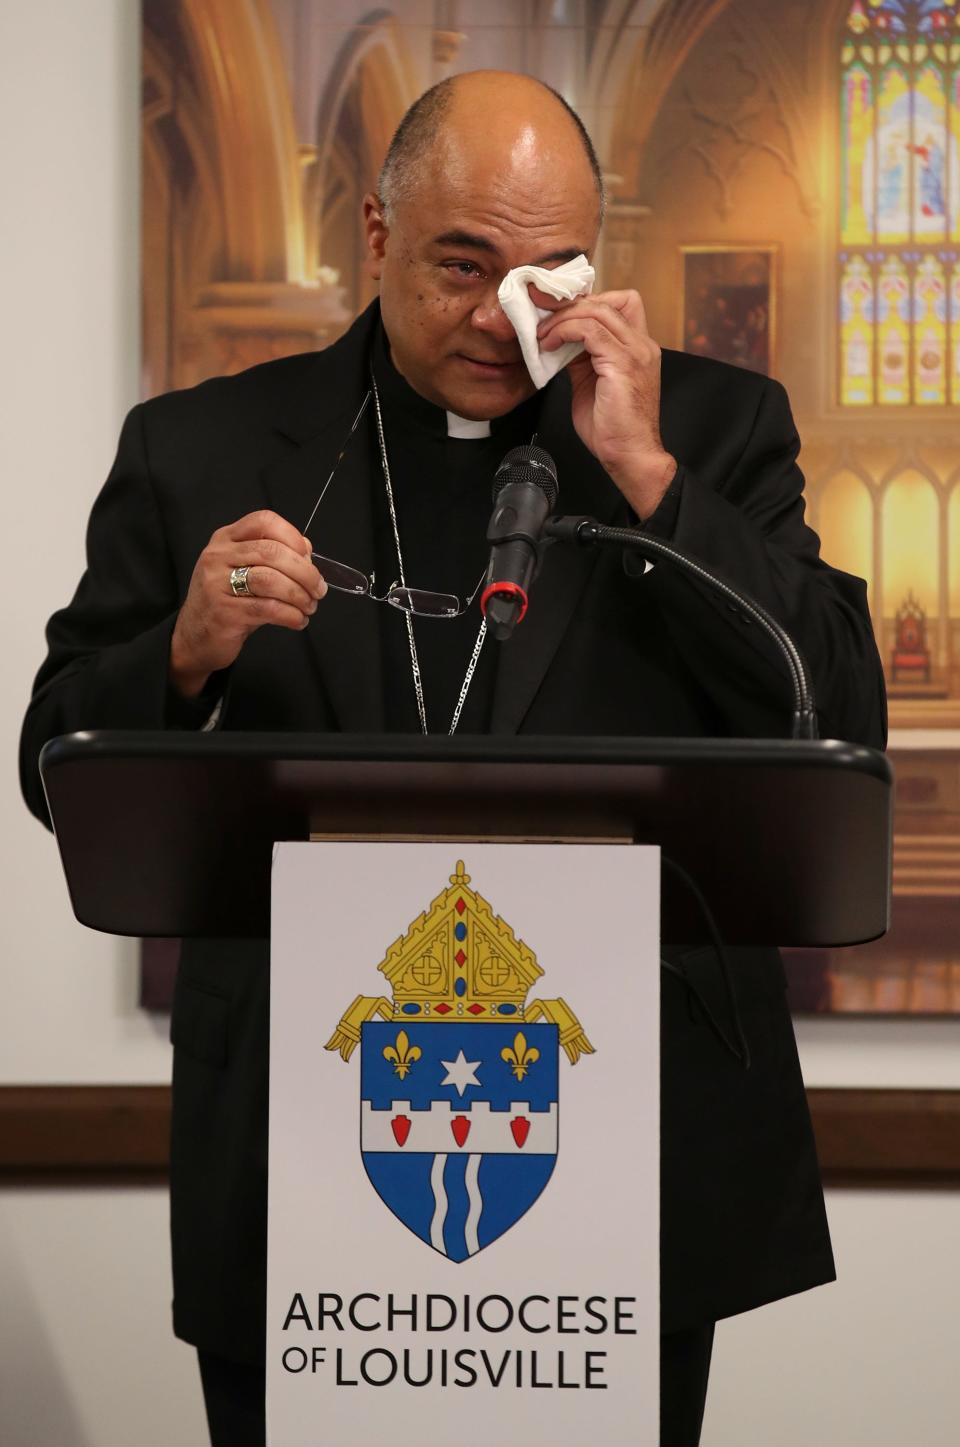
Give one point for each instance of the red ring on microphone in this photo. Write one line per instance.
(512, 590)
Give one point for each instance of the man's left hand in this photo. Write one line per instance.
(616, 389)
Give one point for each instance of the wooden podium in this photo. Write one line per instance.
(172, 833)
(455, 924)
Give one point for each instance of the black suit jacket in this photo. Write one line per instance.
(605, 650)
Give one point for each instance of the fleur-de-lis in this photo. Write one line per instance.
(402, 1053)
(520, 1058)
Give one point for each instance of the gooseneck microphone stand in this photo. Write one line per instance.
(586, 533)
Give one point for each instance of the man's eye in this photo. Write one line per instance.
(465, 269)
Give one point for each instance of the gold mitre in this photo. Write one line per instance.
(459, 961)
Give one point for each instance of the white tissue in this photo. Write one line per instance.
(573, 278)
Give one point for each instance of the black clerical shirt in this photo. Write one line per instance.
(443, 494)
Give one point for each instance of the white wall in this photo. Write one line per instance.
(86, 1354)
(86, 1357)
(868, 1362)
(69, 102)
(898, 1054)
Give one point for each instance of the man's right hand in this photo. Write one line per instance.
(213, 624)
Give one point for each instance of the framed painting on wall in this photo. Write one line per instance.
(208, 310)
(728, 299)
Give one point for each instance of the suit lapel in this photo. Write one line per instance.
(343, 636)
(584, 488)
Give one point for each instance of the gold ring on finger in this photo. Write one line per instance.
(239, 586)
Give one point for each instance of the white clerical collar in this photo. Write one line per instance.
(463, 427)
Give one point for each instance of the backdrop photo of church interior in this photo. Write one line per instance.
(784, 193)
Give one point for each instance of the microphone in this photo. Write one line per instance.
(524, 492)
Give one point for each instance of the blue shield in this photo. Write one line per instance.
(458, 1125)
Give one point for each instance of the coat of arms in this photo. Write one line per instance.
(459, 1075)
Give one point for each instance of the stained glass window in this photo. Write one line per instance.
(899, 265)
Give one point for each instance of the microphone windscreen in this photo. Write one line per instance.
(528, 464)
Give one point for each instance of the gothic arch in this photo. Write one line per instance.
(252, 134)
(182, 216)
(224, 247)
(846, 521)
(671, 41)
(626, 83)
(376, 53)
(910, 519)
(843, 464)
(910, 461)
(255, 136)
(952, 510)
(373, 81)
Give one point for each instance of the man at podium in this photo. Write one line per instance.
(236, 558)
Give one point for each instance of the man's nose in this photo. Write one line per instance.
(493, 321)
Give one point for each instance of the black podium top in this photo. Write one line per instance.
(172, 833)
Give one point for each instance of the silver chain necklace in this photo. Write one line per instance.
(414, 658)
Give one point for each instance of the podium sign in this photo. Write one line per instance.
(464, 1145)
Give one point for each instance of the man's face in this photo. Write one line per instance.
(448, 247)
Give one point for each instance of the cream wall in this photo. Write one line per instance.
(68, 371)
(868, 1362)
(86, 1354)
(86, 1359)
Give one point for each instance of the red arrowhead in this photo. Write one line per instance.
(520, 1128)
(401, 1129)
(461, 1128)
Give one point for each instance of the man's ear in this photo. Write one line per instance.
(376, 231)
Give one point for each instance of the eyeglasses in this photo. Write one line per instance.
(420, 603)
(344, 579)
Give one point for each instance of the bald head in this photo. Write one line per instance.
(488, 171)
(494, 119)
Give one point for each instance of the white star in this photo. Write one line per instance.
(460, 1072)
